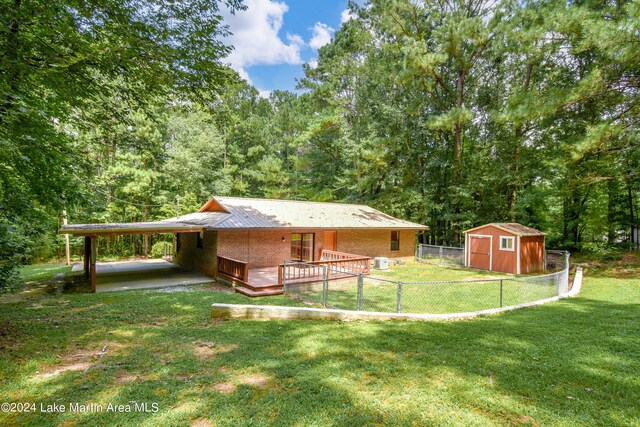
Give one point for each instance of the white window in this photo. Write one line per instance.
(506, 243)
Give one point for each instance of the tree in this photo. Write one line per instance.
(59, 58)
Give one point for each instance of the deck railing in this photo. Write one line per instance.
(233, 270)
(328, 255)
(337, 264)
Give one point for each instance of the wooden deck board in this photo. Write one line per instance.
(263, 277)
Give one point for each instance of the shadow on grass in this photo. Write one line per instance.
(572, 362)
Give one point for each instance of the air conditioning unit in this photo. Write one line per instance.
(381, 263)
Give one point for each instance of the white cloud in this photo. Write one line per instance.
(264, 93)
(255, 36)
(321, 35)
(313, 63)
(346, 15)
(295, 39)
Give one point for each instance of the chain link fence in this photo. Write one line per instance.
(346, 291)
(443, 255)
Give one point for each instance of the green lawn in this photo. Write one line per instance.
(38, 272)
(481, 291)
(425, 272)
(574, 362)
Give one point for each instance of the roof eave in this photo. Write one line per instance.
(98, 231)
(515, 233)
(291, 227)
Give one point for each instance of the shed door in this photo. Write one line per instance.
(480, 256)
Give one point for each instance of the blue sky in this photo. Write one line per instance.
(273, 38)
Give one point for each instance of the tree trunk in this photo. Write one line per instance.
(11, 63)
(519, 136)
(457, 149)
(145, 237)
(611, 205)
(632, 216)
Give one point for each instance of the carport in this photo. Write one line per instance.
(91, 232)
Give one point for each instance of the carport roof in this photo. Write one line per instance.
(129, 228)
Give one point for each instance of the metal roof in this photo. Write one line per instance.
(243, 213)
(511, 227)
(129, 228)
(247, 213)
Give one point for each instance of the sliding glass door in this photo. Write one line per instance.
(302, 246)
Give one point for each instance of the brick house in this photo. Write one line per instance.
(263, 233)
(247, 240)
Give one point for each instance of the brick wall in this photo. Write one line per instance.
(375, 243)
(263, 248)
(267, 248)
(190, 257)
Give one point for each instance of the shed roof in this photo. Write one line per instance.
(511, 227)
(245, 213)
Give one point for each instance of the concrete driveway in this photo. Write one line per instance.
(144, 274)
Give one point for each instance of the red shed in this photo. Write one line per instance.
(505, 247)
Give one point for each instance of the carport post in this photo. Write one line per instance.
(92, 274)
(87, 255)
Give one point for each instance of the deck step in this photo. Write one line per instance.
(259, 293)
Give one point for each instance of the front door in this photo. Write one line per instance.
(330, 241)
(302, 246)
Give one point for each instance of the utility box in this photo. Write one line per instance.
(381, 263)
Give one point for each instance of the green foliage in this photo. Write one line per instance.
(159, 249)
(449, 116)
(74, 74)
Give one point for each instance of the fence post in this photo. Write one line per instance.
(325, 286)
(500, 293)
(399, 305)
(565, 284)
(360, 291)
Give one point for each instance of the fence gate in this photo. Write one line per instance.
(480, 251)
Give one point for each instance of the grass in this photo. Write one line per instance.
(40, 272)
(425, 272)
(485, 292)
(574, 362)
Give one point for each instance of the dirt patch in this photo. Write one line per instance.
(216, 287)
(158, 324)
(632, 258)
(524, 420)
(201, 422)
(80, 360)
(69, 367)
(123, 378)
(209, 350)
(255, 380)
(225, 387)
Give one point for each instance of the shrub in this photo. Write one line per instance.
(157, 250)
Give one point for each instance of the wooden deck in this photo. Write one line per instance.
(262, 282)
(267, 281)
